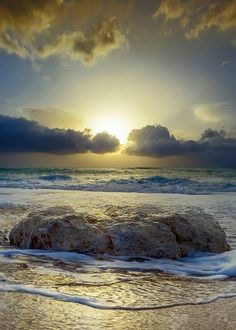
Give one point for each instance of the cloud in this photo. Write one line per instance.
(19, 135)
(228, 64)
(22, 135)
(156, 141)
(222, 113)
(212, 135)
(100, 41)
(104, 142)
(51, 117)
(82, 30)
(198, 16)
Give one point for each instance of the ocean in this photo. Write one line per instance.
(140, 180)
(65, 290)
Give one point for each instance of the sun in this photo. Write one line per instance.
(113, 125)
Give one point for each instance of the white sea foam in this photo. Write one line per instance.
(201, 265)
(103, 304)
(204, 265)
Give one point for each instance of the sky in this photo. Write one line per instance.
(116, 83)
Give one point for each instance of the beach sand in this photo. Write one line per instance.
(27, 311)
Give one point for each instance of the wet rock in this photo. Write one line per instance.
(59, 228)
(150, 238)
(171, 236)
(196, 232)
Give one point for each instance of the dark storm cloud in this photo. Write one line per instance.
(103, 142)
(156, 141)
(21, 135)
(218, 141)
(212, 135)
(85, 30)
(197, 16)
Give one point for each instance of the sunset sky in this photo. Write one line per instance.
(137, 83)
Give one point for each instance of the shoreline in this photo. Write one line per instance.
(27, 312)
(20, 311)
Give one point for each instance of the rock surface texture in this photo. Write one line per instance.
(156, 235)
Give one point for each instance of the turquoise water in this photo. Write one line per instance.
(145, 180)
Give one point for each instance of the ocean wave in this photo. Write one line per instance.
(186, 182)
(55, 177)
(161, 184)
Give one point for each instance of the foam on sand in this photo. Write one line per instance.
(100, 304)
(204, 265)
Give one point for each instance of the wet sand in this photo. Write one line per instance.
(20, 311)
(27, 311)
(23, 311)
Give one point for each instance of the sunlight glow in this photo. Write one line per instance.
(113, 125)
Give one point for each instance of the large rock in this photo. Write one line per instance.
(158, 235)
(59, 228)
(152, 239)
(201, 232)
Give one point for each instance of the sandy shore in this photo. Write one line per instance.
(20, 311)
(26, 311)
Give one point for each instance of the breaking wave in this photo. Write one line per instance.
(175, 181)
(55, 177)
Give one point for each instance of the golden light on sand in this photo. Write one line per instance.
(113, 125)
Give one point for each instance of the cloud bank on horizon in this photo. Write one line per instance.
(156, 141)
(19, 135)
